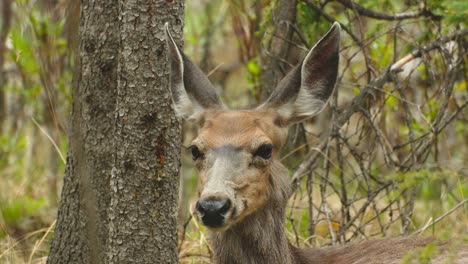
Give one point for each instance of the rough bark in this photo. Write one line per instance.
(119, 199)
(144, 181)
(81, 231)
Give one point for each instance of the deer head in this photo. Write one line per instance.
(235, 149)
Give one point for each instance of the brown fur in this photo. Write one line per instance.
(243, 128)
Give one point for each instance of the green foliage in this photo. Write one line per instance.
(453, 11)
(253, 67)
(37, 67)
(15, 210)
(381, 51)
(456, 11)
(253, 77)
(38, 48)
(308, 21)
(266, 25)
(392, 101)
(22, 50)
(431, 184)
(423, 255)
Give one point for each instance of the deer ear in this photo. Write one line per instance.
(305, 90)
(192, 92)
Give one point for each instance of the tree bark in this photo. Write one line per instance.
(5, 22)
(81, 231)
(144, 181)
(119, 198)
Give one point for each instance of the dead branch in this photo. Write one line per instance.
(417, 53)
(362, 100)
(423, 12)
(440, 218)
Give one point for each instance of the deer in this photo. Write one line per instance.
(243, 188)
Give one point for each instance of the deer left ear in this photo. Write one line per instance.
(192, 92)
(305, 90)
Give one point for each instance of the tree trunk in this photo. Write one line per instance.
(119, 197)
(5, 21)
(144, 182)
(82, 225)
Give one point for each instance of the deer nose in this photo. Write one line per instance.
(213, 210)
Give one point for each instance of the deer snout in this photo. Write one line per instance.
(212, 210)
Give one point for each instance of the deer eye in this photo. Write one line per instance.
(196, 154)
(264, 151)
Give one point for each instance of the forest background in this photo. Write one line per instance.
(388, 156)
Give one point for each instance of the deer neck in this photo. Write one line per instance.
(260, 237)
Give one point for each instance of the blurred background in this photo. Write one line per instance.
(385, 158)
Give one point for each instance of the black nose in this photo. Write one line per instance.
(213, 210)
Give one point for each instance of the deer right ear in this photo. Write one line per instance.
(305, 90)
(192, 92)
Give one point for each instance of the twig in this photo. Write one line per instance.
(304, 166)
(332, 20)
(296, 235)
(50, 139)
(215, 69)
(438, 219)
(184, 230)
(429, 47)
(39, 243)
(299, 34)
(188, 255)
(363, 208)
(323, 186)
(310, 189)
(362, 98)
(423, 12)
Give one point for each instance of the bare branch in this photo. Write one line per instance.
(429, 47)
(363, 97)
(441, 217)
(423, 12)
(332, 20)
